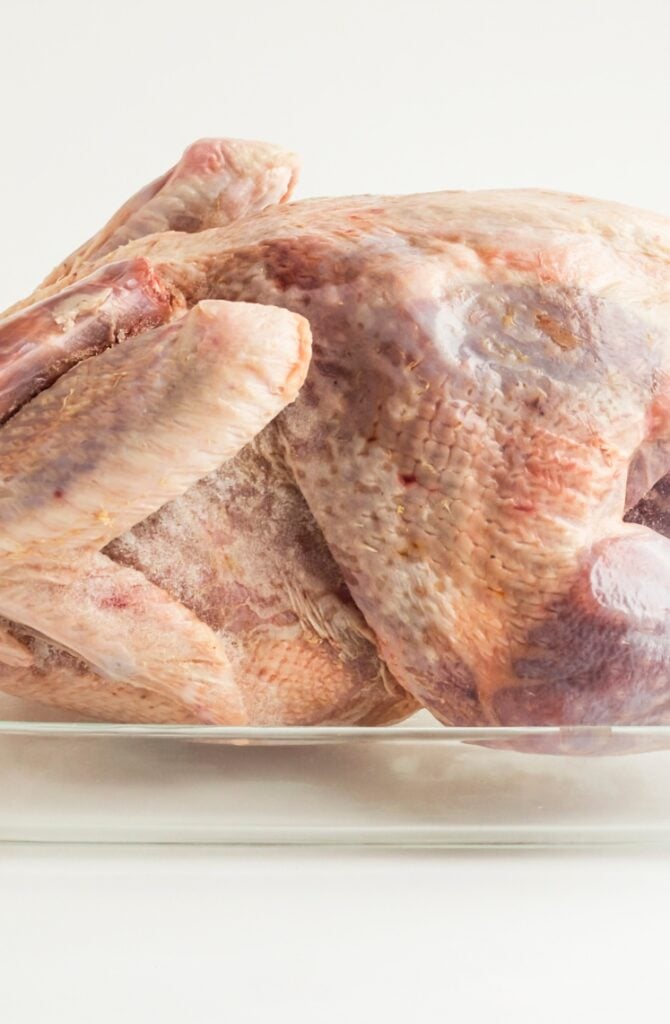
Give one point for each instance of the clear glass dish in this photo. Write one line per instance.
(418, 784)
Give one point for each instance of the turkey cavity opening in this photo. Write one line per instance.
(648, 488)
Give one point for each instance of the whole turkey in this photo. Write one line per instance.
(456, 501)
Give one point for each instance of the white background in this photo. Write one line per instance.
(377, 97)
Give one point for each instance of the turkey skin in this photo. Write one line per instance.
(452, 502)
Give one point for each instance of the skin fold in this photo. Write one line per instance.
(487, 400)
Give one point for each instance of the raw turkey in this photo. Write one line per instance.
(435, 516)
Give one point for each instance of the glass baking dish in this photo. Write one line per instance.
(417, 784)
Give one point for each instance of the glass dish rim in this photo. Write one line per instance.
(329, 733)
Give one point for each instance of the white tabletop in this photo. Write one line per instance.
(199, 935)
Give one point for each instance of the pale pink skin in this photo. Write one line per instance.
(216, 182)
(260, 636)
(116, 302)
(486, 369)
(108, 444)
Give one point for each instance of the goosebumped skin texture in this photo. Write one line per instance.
(55, 677)
(40, 345)
(129, 631)
(486, 368)
(216, 182)
(108, 444)
(121, 435)
(464, 439)
(240, 549)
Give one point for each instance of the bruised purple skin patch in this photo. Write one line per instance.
(603, 654)
(40, 343)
